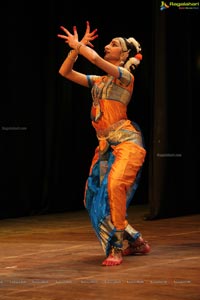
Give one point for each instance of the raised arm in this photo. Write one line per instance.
(66, 69)
(85, 48)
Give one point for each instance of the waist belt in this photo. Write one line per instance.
(104, 133)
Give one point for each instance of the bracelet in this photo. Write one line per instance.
(78, 47)
(70, 54)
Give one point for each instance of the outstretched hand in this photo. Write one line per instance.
(72, 39)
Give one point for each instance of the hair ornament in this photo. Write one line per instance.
(133, 41)
(132, 63)
(138, 56)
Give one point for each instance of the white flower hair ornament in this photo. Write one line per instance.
(134, 49)
(132, 63)
(134, 43)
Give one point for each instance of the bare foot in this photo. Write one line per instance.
(138, 247)
(114, 258)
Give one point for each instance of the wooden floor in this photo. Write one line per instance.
(58, 257)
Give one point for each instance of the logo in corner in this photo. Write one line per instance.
(179, 5)
(164, 5)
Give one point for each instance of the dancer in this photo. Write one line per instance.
(120, 154)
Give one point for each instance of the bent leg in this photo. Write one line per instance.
(129, 158)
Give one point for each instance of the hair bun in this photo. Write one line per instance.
(133, 41)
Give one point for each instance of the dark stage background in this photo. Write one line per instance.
(47, 140)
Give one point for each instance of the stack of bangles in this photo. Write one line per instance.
(78, 47)
(77, 50)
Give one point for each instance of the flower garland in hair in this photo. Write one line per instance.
(133, 62)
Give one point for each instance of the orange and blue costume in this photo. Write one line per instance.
(117, 162)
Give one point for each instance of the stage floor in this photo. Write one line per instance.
(58, 257)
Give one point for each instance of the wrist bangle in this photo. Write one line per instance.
(70, 56)
(78, 47)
